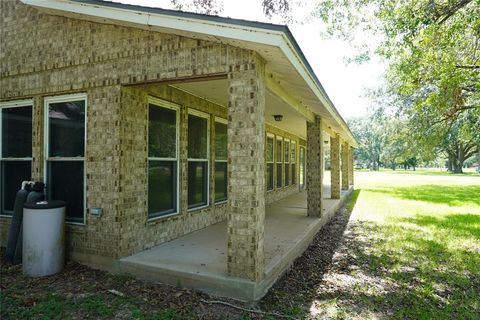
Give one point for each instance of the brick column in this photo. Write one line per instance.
(246, 170)
(350, 167)
(335, 166)
(314, 167)
(345, 165)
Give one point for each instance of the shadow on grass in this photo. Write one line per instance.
(298, 286)
(460, 224)
(395, 271)
(384, 271)
(450, 195)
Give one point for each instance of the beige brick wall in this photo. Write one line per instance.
(117, 67)
(246, 170)
(345, 165)
(315, 167)
(335, 166)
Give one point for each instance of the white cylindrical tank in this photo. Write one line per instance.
(43, 238)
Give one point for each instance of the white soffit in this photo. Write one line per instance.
(273, 42)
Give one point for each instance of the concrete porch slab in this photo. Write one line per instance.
(198, 260)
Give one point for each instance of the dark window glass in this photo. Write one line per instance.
(13, 173)
(162, 132)
(220, 141)
(287, 174)
(287, 151)
(279, 175)
(197, 184)
(17, 132)
(269, 176)
(279, 160)
(293, 152)
(66, 183)
(269, 155)
(162, 187)
(294, 173)
(197, 137)
(66, 129)
(279, 152)
(220, 181)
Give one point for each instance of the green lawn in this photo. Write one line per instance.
(419, 234)
(411, 250)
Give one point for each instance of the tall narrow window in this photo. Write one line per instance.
(15, 152)
(302, 167)
(286, 145)
(279, 161)
(65, 152)
(198, 147)
(269, 157)
(162, 158)
(293, 161)
(221, 183)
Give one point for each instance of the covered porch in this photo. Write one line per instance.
(199, 260)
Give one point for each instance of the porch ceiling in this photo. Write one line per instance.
(217, 92)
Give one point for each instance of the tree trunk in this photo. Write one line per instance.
(460, 160)
(458, 167)
(449, 164)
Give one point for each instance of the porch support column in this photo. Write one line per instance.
(345, 165)
(335, 166)
(246, 170)
(350, 166)
(314, 168)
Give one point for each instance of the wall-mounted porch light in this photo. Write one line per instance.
(278, 117)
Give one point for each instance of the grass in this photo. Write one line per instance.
(410, 251)
(420, 234)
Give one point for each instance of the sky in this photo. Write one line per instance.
(345, 84)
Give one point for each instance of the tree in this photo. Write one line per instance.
(433, 79)
(371, 136)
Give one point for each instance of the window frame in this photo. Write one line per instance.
(277, 162)
(160, 103)
(286, 164)
(271, 136)
(206, 116)
(293, 162)
(9, 105)
(46, 149)
(302, 183)
(223, 121)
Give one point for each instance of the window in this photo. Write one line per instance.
(286, 146)
(198, 146)
(15, 152)
(65, 152)
(293, 161)
(302, 167)
(221, 183)
(279, 161)
(163, 127)
(269, 158)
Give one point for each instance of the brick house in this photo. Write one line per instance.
(168, 122)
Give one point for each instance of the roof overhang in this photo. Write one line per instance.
(286, 63)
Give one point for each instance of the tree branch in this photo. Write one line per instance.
(467, 67)
(452, 10)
